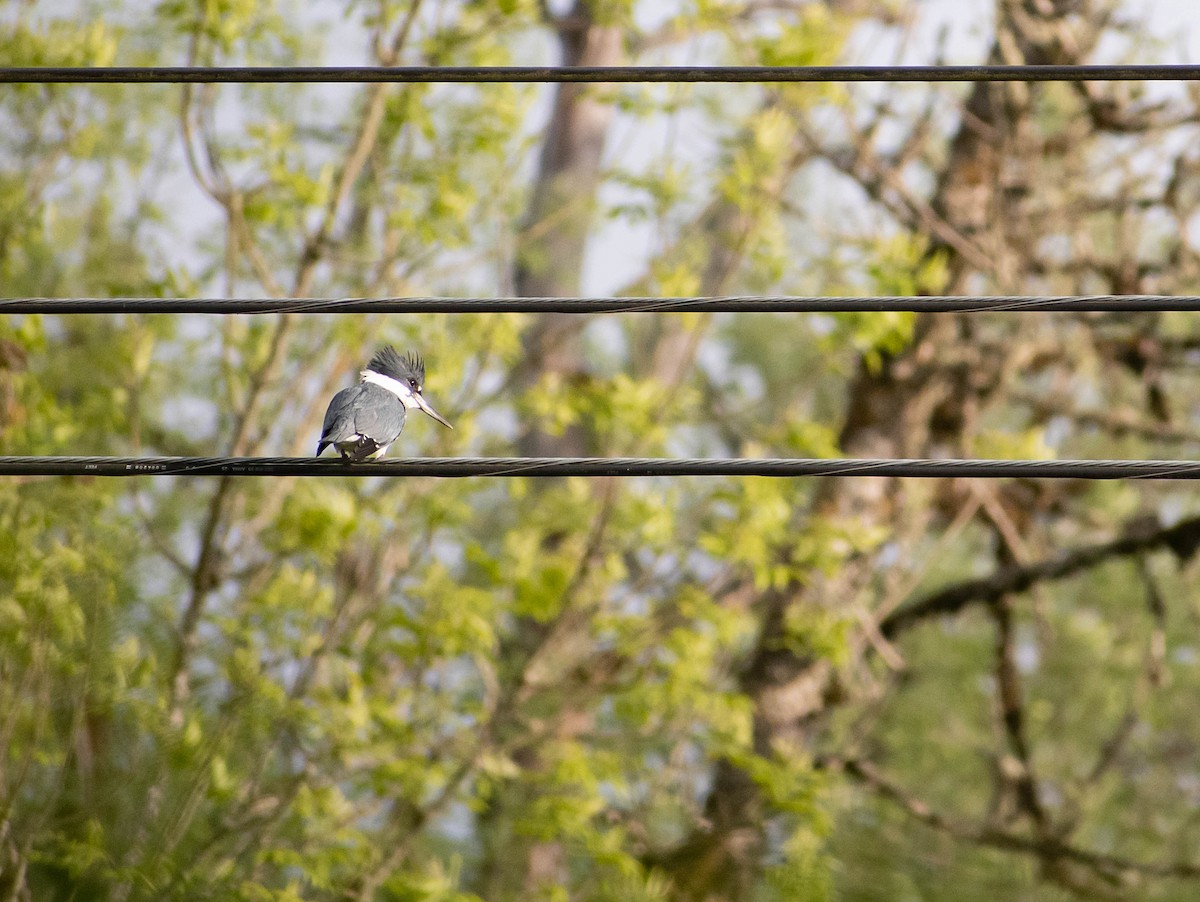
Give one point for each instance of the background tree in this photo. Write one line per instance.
(688, 689)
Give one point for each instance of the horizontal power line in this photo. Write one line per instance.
(724, 304)
(596, 466)
(605, 74)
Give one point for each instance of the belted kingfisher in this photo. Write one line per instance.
(363, 421)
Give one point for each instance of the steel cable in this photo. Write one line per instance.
(602, 74)
(457, 467)
(724, 304)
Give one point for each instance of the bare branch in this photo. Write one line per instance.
(1139, 536)
(1012, 717)
(1112, 869)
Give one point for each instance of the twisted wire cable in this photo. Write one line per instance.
(459, 467)
(602, 74)
(1101, 303)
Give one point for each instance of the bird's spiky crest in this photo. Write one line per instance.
(388, 362)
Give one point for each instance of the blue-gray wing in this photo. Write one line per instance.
(365, 411)
(339, 418)
(378, 414)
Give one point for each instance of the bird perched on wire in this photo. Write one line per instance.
(363, 421)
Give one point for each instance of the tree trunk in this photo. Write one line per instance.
(557, 223)
(550, 264)
(904, 407)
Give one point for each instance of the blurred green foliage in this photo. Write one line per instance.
(407, 690)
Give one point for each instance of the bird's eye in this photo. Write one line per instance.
(413, 384)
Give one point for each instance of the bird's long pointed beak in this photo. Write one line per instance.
(424, 405)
